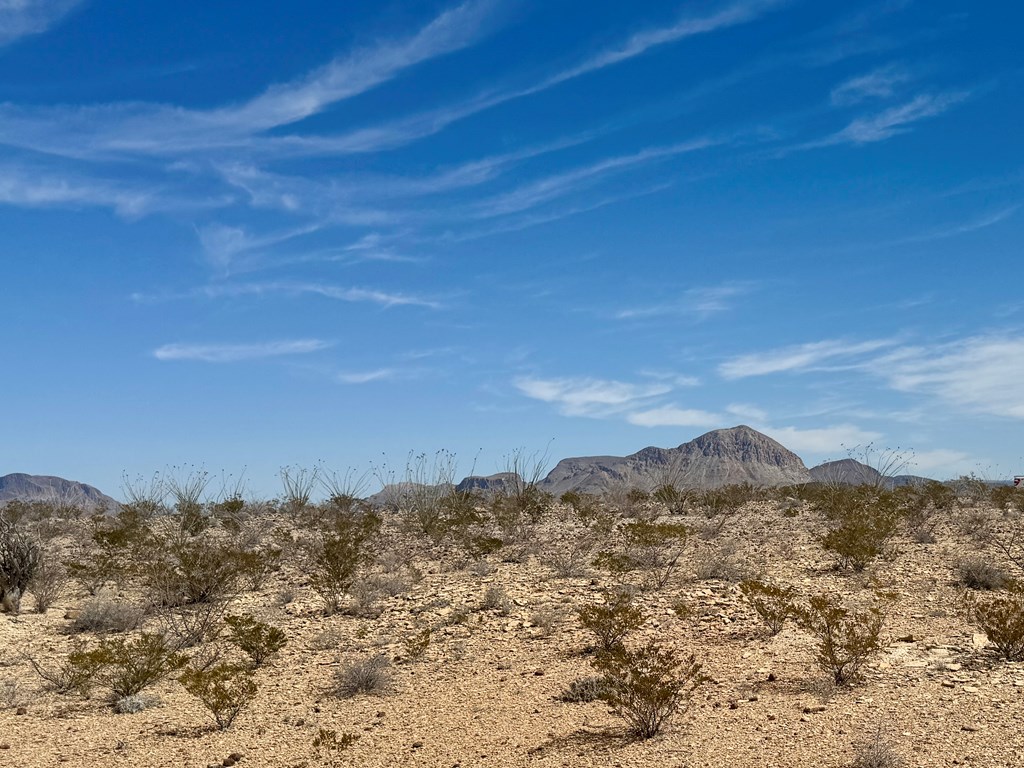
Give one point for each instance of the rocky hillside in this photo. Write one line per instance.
(721, 457)
(22, 487)
(853, 472)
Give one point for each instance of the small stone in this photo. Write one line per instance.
(972, 727)
(5, 745)
(814, 709)
(236, 756)
(538, 673)
(417, 744)
(979, 640)
(73, 614)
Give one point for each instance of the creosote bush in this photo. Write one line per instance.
(651, 548)
(862, 521)
(773, 604)
(259, 640)
(337, 556)
(128, 667)
(846, 639)
(1001, 618)
(646, 686)
(612, 620)
(224, 689)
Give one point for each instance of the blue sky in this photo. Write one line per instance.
(248, 235)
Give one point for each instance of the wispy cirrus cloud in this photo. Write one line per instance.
(894, 120)
(700, 303)
(797, 358)
(366, 377)
(674, 416)
(982, 374)
(292, 290)
(153, 129)
(36, 188)
(20, 18)
(233, 353)
(880, 83)
(820, 440)
(588, 396)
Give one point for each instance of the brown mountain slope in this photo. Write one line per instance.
(721, 457)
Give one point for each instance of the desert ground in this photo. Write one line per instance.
(485, 685)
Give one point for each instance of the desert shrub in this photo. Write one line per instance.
(128, 667)
(258, 640)
(649, 547)
(107, 614)
(846, 639)
(188, 571)
(416, 644)
(863, 520)
(224, 689)
(327, 744)
(982, 574)
(772, 604)
(612, 620)
(192, 625)
(63, 675)
(19, 560)
(254, 565)
(48, 583)
(648, 685)
(583, 690)
(1001, 618)
(719, 564)
(569, 556)
(113, 546)
(12, 695)
(875, 751)
(674, 498)
(546, 618)
(337, 556)
(496, 599)
(130, 705)
(372, 676)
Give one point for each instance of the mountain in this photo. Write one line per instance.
(22, 487)
(853, 472)
(721, 457)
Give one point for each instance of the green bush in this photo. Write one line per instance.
(257, 639)
(649, 547)
(863, 520)
(338, 555)
(846, 639)
(771, 603)
(224, 689)
(128, 667)
(648, 685)
(612, 620)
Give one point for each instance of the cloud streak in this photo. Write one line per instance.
(233, 353)
(20, 18)
(797, 358)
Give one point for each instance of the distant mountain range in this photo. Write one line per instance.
(721, 457)
(22, 487)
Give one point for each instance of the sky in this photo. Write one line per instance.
(243, 236)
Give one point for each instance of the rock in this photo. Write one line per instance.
(417, 744)
(73, 614)
(21, 711)
(814, 709)
(979, 640)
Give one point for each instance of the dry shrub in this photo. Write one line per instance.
(48, 583)
(875, 751)
(371, 676)
(846, 639)
(108, 614)
(260, 641)
(979, 573)
(496, 599)
(773, 604)
(19, 560)
(224, 689)
(1001, 618)
(612, 620)
(648, 685)
(584, 690)
(128, 667)
(862, 521)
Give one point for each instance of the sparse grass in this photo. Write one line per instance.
(371, 676)
(979, 573)
(104, 613)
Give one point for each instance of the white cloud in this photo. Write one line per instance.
(796, 358)
(19, 18)
(951, 463)
(672, 416)
(984, 374)
(821, 441)
(877, 84)
(365, 377)
(294, 289)
(893, 121)
(586, 396)
(159, 130)
(33, 188)
(697, 302)
(747, 411)
(233, 353)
